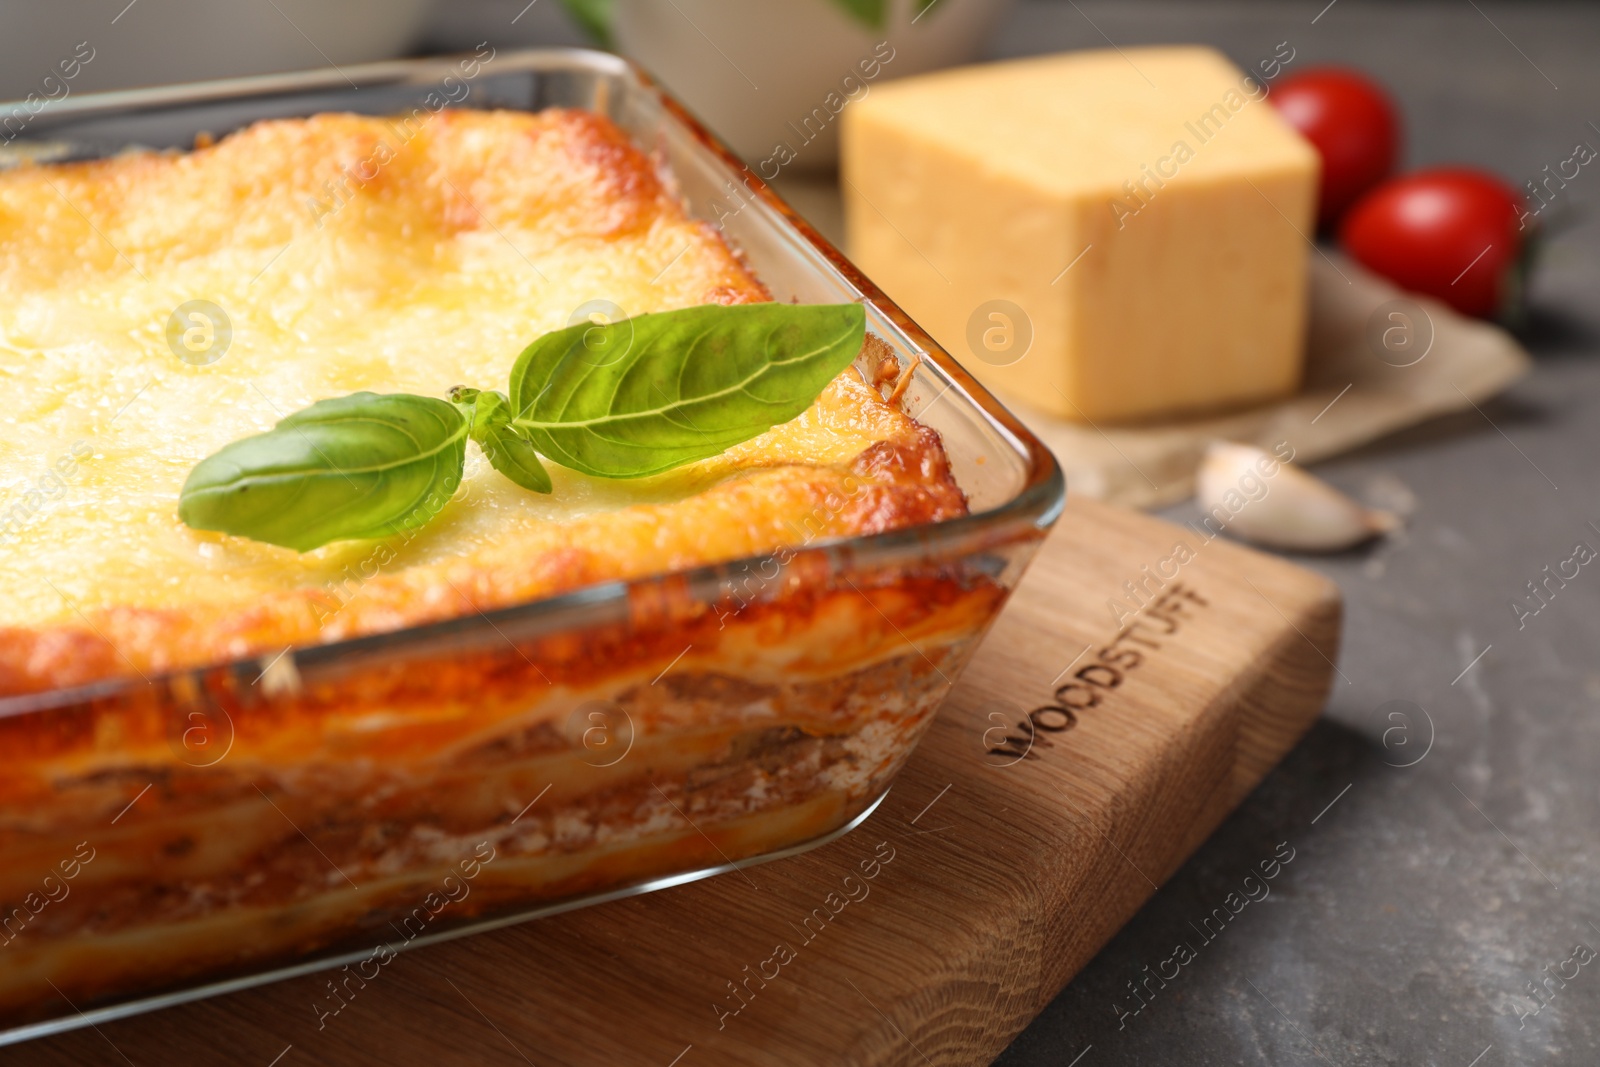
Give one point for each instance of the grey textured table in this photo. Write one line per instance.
(1422, 899)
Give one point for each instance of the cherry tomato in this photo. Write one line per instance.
(1353, 125)
(1450, 232)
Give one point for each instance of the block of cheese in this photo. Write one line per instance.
(1106, 236)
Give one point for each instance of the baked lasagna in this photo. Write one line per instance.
(237, 812)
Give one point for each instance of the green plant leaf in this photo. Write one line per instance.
(507, 450)
(594, 16)
(360, 466)
(871, 12)
(646, 394)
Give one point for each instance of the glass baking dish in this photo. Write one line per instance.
(189, 834)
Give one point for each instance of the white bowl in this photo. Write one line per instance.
(151, 42)
(755, 70)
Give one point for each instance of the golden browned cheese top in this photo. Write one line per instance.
(351, 253)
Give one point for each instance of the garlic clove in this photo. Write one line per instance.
(1259, 497)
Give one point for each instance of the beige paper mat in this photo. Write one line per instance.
(1361, 383)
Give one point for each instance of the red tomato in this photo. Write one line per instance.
(1353, 125)
(1450, 232)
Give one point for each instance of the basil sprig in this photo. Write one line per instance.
(620, 400)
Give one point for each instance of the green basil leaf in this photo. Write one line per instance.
(871, 12)
(464, 397)
(646, 394)
(515, 457)
(361, 466)
(507, 451)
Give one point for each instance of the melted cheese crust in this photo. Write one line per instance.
(358, 253)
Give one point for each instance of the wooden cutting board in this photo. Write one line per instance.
(1002, 860)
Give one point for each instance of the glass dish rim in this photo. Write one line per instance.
(1037, 503)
